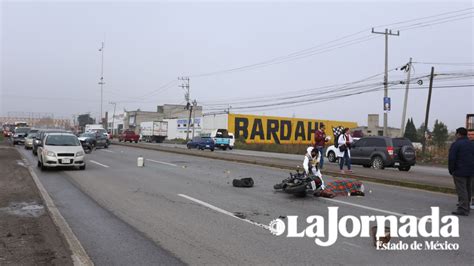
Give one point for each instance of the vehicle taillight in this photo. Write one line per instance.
(390, 150)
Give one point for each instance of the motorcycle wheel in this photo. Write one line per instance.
(296, 189)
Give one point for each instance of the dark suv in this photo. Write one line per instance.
(381, 152)
(19, 135)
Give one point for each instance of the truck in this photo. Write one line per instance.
(470, 126)
(154, 131)
(91, 127)
(220, 136)
(129, 135)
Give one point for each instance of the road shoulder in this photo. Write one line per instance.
(32, 231)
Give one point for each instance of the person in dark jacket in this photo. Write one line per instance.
(461, 167)
(320, 142)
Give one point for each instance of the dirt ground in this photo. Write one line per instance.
(28, 236)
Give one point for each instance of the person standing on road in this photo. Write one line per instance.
(320, 143)
(344, 150)
(461, 167)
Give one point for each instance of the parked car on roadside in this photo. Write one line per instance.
(231, 141)
(380, 152)
(19, 135)
(61, 150)
(94, 139)
(331, 152)
(201, 143)
(129, 135)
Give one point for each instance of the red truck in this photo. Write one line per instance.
(129, 135)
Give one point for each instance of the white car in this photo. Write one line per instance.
(331, 152)
(61, 150)
(231, 141)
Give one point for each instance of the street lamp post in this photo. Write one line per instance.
(113, 118)
(101, 82)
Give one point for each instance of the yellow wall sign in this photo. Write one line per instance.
(280, 130)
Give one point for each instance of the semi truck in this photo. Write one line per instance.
(154, 131)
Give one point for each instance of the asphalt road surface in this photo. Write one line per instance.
(180, 209)
(419, 173)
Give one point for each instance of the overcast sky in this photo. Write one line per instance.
(50, 60)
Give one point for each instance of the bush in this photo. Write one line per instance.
(434, 155)
(176, 141)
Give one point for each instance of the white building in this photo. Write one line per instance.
(116, 123)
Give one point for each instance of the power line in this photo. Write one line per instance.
(279, 105)
(267, 97)
(322, 48)
(448, 64)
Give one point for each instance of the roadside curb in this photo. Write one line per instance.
(79, 255)
(250, 160)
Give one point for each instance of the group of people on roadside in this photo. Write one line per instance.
(314, 162)
(343, 152)
(461, 163)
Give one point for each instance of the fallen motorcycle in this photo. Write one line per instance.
(299, 184)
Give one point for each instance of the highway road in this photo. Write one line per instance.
(419, 173)
(184, 209)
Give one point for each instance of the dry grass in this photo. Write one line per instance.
(433, 155)
(279, 148)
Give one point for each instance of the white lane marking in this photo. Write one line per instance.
(107, 151)
(170, 164)
(103, 165)
(217, 209)
(365, 207)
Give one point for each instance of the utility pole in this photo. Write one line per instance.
(189, 107)
(407, 69)
(113, 117)
(101, 82)
(425, 128)
(194, 115)
(385, 79)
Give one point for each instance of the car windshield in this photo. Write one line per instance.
(87, 135)
(22, 130)
(62, 140)
(31, 135)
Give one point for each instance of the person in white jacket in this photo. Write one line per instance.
(344, 150)
(311, 164)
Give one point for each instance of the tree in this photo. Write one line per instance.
(420, 132)
(440, 133)
(410, 131)
(85, 119)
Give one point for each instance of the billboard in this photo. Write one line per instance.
(280, 130)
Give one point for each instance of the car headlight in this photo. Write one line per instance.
(51, 154)
(79, 153)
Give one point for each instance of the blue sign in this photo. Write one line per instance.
(387, 106)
